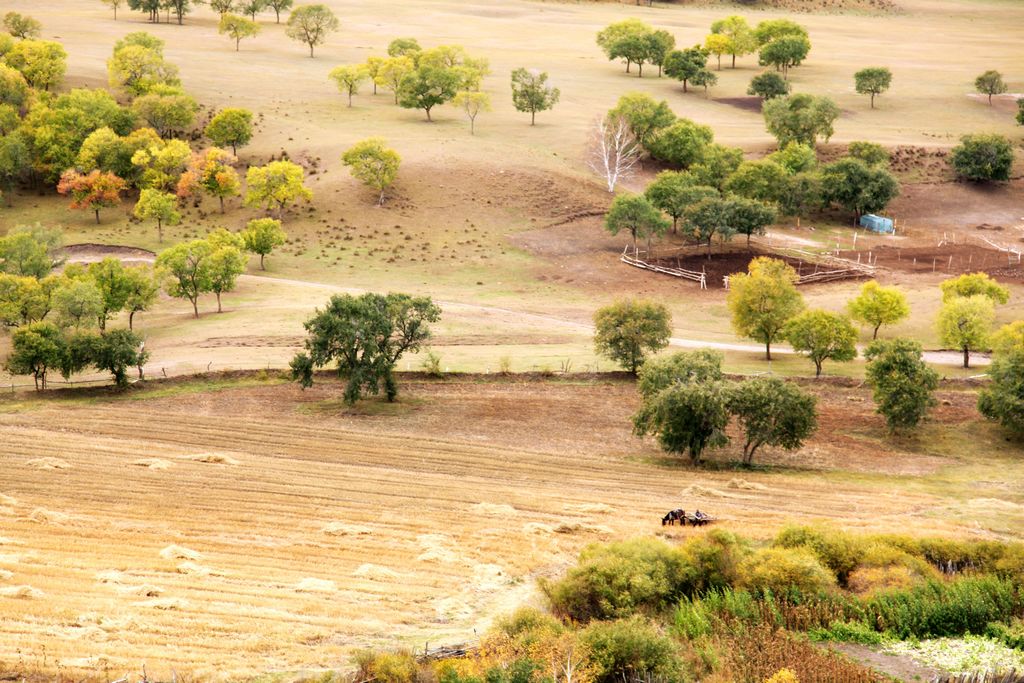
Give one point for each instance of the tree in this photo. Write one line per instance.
(105, 150)
(717, 162)
(871, 153)
(710, 217)
(659, 45)
(877, 305)
(858, 188)
(901, 381)
(1003, 399)
(143, 288)
(800, 117)
(186, 271)
(349, 78)
(310, 24)
(279, 183)
(230, 127)
(768, 85)
(965, 323)
(114, 285)
(472, 103)
(392, 72)
(13, 87)
(763, 180)
(426, 87)
(251, 7)
(1009, 338)
(990, 83)
(983, 158)
(22, 26)
(238, 28)
(795, 158)
(279, 6)
(684, 65)
(365, 335)
(609, 38)
(150, 7)
(261, 235)
(741, 39)
(684, 367)
(646, 116)
(822, 335)
(373, 65)
(531, 92)
(77, 302)
(222, 7)
(636, 215)
(1020, 112)
(971, 284)
(404, 47)
(674, 192)
(22, 300)
(15, 161)
(161, 165)
(374, 164)
(704, 79)
(773, 29)
(686, 418)
(159, 206)
(763, 300)
(718, 44)
(772, 412)
(785, 53)
(41, 62)
(35, 348)
(213, 173)
(872, 81)
(118, 350)
(166, 110)
(93, 191)
(30, 251)
(750, 217)
(613, 150)
(628, 330)
(137, 67)
(682, 144)
(223, 266)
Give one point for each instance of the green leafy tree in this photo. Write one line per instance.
(737, 31)
(870, 153)
(628, 330)
(238, 28)
(768, 85)
(230, 127)
(41, 62)
(428, 86)
(392, 72)
(686, 418)
(374, 164)
(717, 44)
(1009, 338)
(118, 350)
(763, 300)
(684, 65)
(681, 144)
(795, 158)
(704, 79)
(279, 184)
(14, 88)
(800, 118)
(1002, 400)
(143, 288)
(311, 24)
(822, 336)
(609, 38)
(877, 305)
(22, 25)
(223, 266)
(659, 45)
(15, 162)
(138, 65)
(873, 81)
(107, 151)
(785, 53)
(901, 381)
(965, 323)
(161, 207)
(990, 83)
(708, 218)
(30, 251)
(77, 302)
(166, 110)
(279, 6)
(983, 158)
(717, 162)
(114, 285)
(35, 349)
(804, 194)
(261, 235)
(472, 103)
(749, 216)
(772, 412)
(251, 7)
(532, 93)
(645, 115)
(674, 192)
(763, 180)
(160, 166)
(773, 29)
(404, 47)
(23, 300)
(636, 215)
(349, 78)
(185, 270)
(971, 284)
(685, 367)
(365, 335)
(858, 188)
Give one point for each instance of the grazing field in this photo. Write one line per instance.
(229, 527)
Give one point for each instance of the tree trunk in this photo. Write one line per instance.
(218, 303)
(734, 60)
(768, 350)
(967, 357)
(817, 368)
(237, 42)
(195, 307)
(640, 70)
(472, 126)
(533, 118)
(719, 62)
(990, 99)
(262, 267)
(428, 114)
(875, 335)
(684, 85)
(159, 230)
(131, 320)
(872, 100)
(278, 13)
(222, 205)
(350, 99)
(310, 45)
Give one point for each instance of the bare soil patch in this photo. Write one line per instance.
(952, 259)
(92, 253)
(745, 103)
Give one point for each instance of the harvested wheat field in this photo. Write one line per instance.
(240, 525)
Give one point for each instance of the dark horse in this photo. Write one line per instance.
(672, 516)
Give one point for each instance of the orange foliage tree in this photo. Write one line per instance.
(94, 190)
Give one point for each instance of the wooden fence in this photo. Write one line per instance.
(1011, 676)
(637, 262)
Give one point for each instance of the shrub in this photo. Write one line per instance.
(394, 667)
(1011, 635)
(837, 550)
(983, 158)
(885, 567)
(432, 364)
(785, 570)
(712, 562)
(783, 676)
(631, 648)
(848, 632)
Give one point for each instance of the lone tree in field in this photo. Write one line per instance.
(821, 336)
(614, 36)
(311, 24)
(374, 164)
(279, 6)
(627, 331)
(971, 284)
(404, 47)
(472, 102)
(237, 28)
(983, 158)
(635, 214)
(965, 323)
(877, 305)
(763, 300)
(159, 206)
(873, 81)
(772, 412)
(990, 83)
(365, 335)
(532, 93)
(186, 270)
(93, 191)
(22, 26)
(674, 192)
(230, 127)
(801, 118)
(613, 150)
(349, 78)
(261, 235)
(114, 5)
(1003, 400)
(902, 382)
(768, 85)
(279, 183)
(427, 86)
